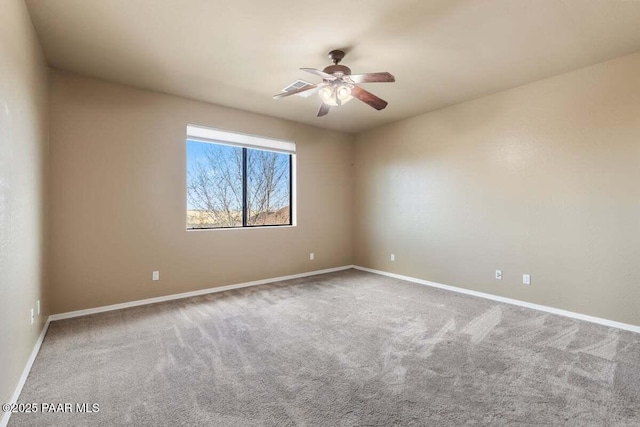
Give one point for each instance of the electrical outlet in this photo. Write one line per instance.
(155, 275)
(526, 279)
(32, 316)
(38, 305)
(393, 257)
(311, 256)
(498, 274)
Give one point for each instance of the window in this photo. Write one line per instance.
(236, 180)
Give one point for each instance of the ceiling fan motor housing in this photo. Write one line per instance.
(337, 70)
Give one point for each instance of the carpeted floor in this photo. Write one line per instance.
(342, 349)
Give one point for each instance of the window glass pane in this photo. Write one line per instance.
(268, 188)
(214, 185)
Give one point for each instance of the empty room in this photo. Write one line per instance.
(297, 213)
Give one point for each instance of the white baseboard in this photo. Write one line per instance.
(102, 309)
(25, 373)
(560, 312)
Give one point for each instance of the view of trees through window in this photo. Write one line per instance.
(230, 186)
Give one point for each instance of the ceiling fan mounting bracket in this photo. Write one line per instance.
(336, 56)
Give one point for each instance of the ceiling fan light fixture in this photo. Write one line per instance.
(328, 95)
(344, 93)
(335, 95)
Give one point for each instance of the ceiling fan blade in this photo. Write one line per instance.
(372, 78)
(294, 92)
(322, 74)
(368, 97)
(324, 110)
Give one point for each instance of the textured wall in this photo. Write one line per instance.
(541, 179)
(119, 198)
(23, 157)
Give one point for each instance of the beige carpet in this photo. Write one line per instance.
(341, 349)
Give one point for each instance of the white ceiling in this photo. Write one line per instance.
(238, 53)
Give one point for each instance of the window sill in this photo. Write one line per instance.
(260, 227)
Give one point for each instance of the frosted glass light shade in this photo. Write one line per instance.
(331, 94)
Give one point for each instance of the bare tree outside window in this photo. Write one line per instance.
(267, 188)
(219, 192)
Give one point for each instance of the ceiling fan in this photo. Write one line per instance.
(339, 86)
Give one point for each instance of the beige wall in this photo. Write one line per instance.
(23, 158)
(119, 198)
(542, 179)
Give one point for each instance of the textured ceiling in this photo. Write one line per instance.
(239, 53)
